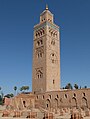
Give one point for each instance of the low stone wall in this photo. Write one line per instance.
(79, 98)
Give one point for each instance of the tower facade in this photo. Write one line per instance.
(46, 55)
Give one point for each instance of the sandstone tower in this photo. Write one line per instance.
(46, 55)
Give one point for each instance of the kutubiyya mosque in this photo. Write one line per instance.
(46, 96)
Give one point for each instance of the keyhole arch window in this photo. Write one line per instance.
(39, 42)
(53, 42)
(40, 52)
(40, 32)
(39, 74)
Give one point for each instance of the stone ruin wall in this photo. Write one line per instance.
(21, 102)
(58, 103)
(79, 98)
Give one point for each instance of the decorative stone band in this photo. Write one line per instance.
(39, 26)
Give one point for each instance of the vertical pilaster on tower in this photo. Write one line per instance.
(46, 55)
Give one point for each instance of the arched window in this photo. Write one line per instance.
(50, 96)
(39, 51)
(51, 33)
(24, 103)
(39, 74)
(65, 95)
(84, 102)
(57, 96)
(56, 103)
(38, 33)
(48, 104)
(41, 41)
(54, 35)
(53, 81)
(53, 58)
(40, 54)
(83, 94)
(74, 102)
(52, 54)
(53, 42)
(37, 96)
(74, 95)
(43, 97)
(43, 31)
(38, 43)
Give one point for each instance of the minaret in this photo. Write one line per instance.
(46, 55)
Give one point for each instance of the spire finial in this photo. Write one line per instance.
(46, 7)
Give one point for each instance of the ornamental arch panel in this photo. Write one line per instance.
(48, 104)
(84, 102)
(74, 102)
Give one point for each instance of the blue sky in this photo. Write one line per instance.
(17, 19)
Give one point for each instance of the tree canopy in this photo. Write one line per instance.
(68, 86)
(9, 95)
(15, 88)
(24, 88)
(75, 86)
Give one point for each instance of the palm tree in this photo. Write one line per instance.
(75, 86)
(15, 88)
(21, 89)
(68, 86)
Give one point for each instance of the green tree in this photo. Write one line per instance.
(24, 88)
(9, 95)
(68, 86)
(15, 89)
(85, 86)
(21, 89)
(75, 86)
